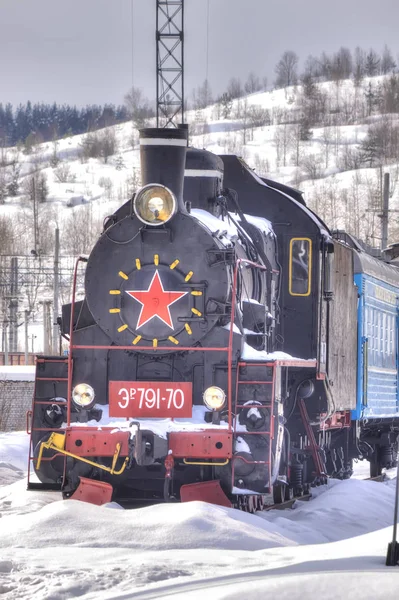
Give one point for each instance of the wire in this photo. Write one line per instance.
(207, 39)
(122, 243)
(132, 38)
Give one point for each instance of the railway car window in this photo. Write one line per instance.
(300, 266)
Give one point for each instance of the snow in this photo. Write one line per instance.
(17, 373)
(249, 353)
(241, 445)
(223, 230)
(263, 224)
(332, 546)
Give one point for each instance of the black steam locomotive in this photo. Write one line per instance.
(215, 355)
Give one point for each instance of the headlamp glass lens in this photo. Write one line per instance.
(83, 395)
(214, 398)
(155, 204)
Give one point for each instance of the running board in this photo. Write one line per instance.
(43, 487)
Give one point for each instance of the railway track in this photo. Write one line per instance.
(306, 497)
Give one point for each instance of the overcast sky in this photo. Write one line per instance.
(80, 51)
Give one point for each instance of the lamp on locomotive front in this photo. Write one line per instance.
(154, 204)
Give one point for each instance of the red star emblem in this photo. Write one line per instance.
(155, 302)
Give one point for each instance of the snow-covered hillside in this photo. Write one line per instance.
(75, 192)
(333, 546)
(264, 128)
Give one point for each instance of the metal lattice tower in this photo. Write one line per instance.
(170, 62)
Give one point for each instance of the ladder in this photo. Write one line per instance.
(51, 383)
(263, 377)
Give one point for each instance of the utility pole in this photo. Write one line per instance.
(5, 323)
(26, 337)
(56, 291)
(13, 306)
(47, 329)
(34, 214)
(385, 213)
(170, 62)
(33, 337)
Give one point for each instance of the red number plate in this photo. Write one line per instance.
(155, 399)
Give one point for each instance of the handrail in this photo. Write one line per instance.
(230, 346)
(70, 360)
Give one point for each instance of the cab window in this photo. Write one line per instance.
(300, 266)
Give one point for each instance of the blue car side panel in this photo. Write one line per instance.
(356, 414)
(377, 375)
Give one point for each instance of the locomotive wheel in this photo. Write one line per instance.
(288, 493)
(279, 493)
(247, 503)
(375, 465)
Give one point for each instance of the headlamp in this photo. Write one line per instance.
(154, 204)
(214, 398)
(83, 395)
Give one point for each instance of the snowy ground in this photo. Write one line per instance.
(333, 546)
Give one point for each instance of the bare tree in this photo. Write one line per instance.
(341, 65)
(282, 140)
(311, 164)
(311, 68)
(3, 185)
(296, 143)
(13, 178)
(391, 94)
(258, 117)
(286, 69)
(359, 67)
(327, 138)
(139, 107)
(333, 202)
(354, 205)
(7, 235)
(35, 187)
(387, 62)
(350, 159)
(80, 239)
(226, 102)
(261, 165)
(252, 83)
(372, 64)
(234, 88)
(243, 116)
(106, 183)
(63, 173)
(325, 66)
(108, 143)
(202, 96)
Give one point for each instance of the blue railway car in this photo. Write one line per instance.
(377, 405)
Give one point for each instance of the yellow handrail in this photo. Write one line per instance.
(214, 464)
(56, 442)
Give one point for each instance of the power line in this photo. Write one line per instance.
(207, 39)
(132, 39)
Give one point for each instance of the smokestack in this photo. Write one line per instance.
(163, 159)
